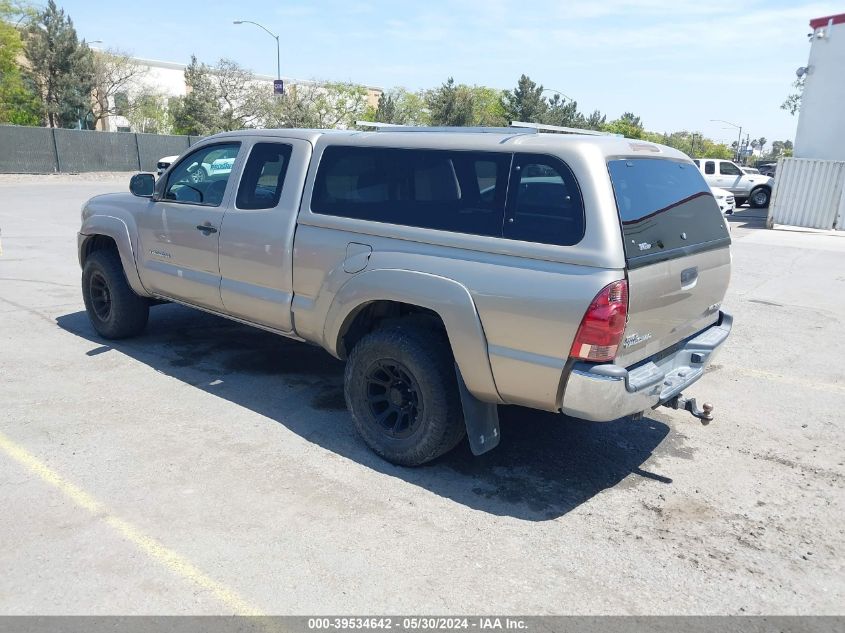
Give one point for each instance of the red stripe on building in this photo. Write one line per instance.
(820, 22)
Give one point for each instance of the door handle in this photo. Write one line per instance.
(207, 229)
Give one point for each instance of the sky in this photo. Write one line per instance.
(677, 64)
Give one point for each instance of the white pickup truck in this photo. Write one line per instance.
(725, 174)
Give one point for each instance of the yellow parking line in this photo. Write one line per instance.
(176, 563)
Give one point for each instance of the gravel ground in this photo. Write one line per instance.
(206, 467)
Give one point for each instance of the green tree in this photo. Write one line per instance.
(563, 112)
(400, 107)
(628, 125)
(595, 121)
(450, 105)
(792, 103)
(487, 110)
(18, 103)
(313, 105)
(60, 67)
(198, 112)
(148, 112)
(525, 102)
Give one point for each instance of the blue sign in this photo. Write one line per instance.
(278, 87)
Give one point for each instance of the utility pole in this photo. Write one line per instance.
(738, 138)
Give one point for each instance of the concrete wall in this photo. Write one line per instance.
(821, 122)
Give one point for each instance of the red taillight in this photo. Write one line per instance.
(601, 328)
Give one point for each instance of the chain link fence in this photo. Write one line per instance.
(35, 150)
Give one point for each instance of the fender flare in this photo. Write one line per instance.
(446, 297)
(116, 229)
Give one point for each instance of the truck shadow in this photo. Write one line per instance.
(546, 465)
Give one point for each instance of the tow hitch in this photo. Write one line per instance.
(705, 413)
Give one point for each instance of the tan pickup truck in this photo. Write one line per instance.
(454, 270)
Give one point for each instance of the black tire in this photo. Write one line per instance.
(760, 198)
(401, 389)
(113, 308)
(739, 202)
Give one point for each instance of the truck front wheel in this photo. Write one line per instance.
(113, 308)
(401, 389)
(760, 197)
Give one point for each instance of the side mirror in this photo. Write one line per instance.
(142, 185)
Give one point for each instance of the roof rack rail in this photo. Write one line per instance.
(393, 127)
(516, 127)
(559, 129)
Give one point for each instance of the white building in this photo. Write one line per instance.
(821, 119)
(810, 187)
(168, 79)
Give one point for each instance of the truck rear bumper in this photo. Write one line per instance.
(607, 392)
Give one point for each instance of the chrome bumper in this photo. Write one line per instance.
(607, 392)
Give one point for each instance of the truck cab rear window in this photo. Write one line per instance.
(526, 197)
(455, 191)
(666, 209)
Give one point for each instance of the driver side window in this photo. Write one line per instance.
(729, 169)
(201, 177)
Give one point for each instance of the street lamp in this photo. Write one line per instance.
(269, 32)
(739, 136)
(558, 92)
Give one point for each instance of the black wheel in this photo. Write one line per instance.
(402, 391)
(114, 309)
(760, 198)
(739, 202)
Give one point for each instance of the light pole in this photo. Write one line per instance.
(269, 32)
(739, 136)
(565, 96)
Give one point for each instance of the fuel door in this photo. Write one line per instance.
(357, 257)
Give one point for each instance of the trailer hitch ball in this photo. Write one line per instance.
(704, 414)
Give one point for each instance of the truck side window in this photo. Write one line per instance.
(545, 203)
(201, 177)
(264, 176)
(729, 169)
(456, 191)
(709, 167)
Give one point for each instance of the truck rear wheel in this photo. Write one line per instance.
(401, 389)
(113, 308)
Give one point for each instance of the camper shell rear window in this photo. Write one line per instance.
(666, 210)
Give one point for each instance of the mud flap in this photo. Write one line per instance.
(481, 419)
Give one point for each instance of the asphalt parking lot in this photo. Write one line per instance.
(209, 468)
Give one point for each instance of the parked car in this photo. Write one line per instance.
(453, 271)
(768, 169)
(215, 165)
(725, 174)
(725, 200)
(163, 163)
